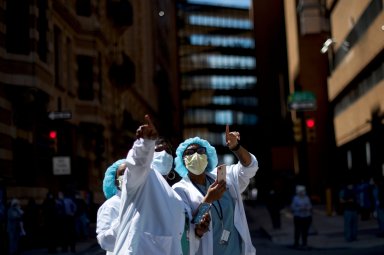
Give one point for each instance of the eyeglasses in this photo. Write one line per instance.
(191, 151)
(162, 147)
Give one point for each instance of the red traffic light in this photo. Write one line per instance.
(310, 123)
(52, 134)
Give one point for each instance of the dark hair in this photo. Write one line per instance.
(161, 140)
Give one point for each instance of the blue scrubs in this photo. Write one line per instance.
(223, 209)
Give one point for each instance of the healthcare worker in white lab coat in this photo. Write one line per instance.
(152, 215)
(107, 216)
(196, 162)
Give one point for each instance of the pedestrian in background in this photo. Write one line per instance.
(301, 207)
(350, 206)
(69, 223)
(365, 199)
(15, 226)
(31, 223)
(81, 217)
(51, 222)
(196, 162)
(3, 217)
(274, 205)
(107, 222)
(378, 193)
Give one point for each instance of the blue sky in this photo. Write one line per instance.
(233, 3)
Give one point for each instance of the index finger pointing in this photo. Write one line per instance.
(227, 130)
(148, 119)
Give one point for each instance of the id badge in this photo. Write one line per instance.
(224, 236)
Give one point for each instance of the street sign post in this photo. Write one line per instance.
(60, 115)
(61, 165)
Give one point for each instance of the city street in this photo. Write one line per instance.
(269, 243)
(264, 246)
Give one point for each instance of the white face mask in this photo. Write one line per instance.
(162, 162)
(120, 181)
(196, 163)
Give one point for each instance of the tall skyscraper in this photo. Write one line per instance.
(217, 72)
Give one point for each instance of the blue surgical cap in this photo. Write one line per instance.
(211, 155)
(109, 186)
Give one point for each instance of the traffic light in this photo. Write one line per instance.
(53, 140)
(297, 130)
(52, 134)
(310, 127)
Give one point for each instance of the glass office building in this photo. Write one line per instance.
(217, 72)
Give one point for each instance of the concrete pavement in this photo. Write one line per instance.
(82, 247)
(327, 232)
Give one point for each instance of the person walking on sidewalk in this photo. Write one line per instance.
(348, 200)
(301, 207)
(15, 226)
(50, 222)
(378, 193)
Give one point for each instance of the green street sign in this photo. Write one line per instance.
(302, 101)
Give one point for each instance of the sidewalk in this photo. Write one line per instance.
(81, 247)
(326, 231)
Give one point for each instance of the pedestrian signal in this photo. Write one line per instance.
(52, 134)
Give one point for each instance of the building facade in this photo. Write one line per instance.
(356, 85)
(85, 73)
(307, 28)
(277, 155)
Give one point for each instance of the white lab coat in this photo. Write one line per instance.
(151, 214)
(237, 181)
(108, 222)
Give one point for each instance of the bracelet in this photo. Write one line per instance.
(237, 147)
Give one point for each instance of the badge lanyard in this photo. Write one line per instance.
(225, 233)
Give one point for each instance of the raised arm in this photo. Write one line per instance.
(233, 143)
(140, 156)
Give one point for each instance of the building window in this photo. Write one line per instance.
(58, 56)
(222, 41)
(220, 82)
(83, 8)
(85, 77)
(368, 80)
(219, 117)
(121, 12)
(42, 28)
(17, 27)
(368, 153)
(100, 77)
(235, 4)
(228, 100)
(69, 65)
(349, 160)
(216, 61)
(374, 9)
(212, 21)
